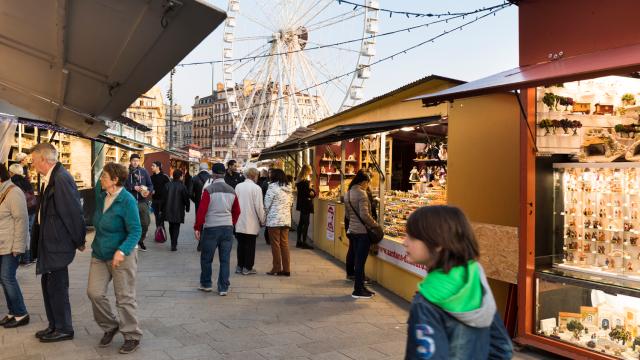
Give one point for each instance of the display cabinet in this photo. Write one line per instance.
(596, 223)
(581, 310)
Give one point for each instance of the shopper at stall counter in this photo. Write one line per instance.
(453, 315)
(114, 256)
(277, 204)
(58, 231)
(304, 204)
(218, 213)
(233, 177)
(358, 213)
(140, 186)
(14, 231)
(251, 218)
(176, 203)
(159, 179)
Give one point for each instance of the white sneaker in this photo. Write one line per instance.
(205, 289)
(223, 293)
(249, 272)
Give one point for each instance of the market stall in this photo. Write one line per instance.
(170, 161)
(578, 280)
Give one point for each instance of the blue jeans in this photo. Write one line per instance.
(12, 292)
(221, 238)
(357, 258)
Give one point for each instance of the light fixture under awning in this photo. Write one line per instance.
(618, 61)
(78, 63)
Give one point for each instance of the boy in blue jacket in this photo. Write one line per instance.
(453, 315)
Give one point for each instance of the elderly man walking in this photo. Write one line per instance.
(252, 217)
(218, 212)
(58, 231)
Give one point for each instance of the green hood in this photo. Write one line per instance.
(460, 290)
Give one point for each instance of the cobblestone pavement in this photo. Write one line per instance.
(308, 316)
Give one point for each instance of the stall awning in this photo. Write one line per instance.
(618, 61)
(78, 63)
(132, 123)
(344, 132)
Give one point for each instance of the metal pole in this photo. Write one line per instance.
(383, 177)
(173, 71)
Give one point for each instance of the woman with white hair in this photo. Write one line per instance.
(252, 217)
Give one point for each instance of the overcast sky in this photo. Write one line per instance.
(483, 48)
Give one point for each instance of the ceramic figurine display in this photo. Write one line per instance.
(598, 210)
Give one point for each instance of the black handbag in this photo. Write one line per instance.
(375, 234)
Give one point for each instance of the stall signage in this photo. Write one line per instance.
(194, 155)
(331, 215)
(393, 252)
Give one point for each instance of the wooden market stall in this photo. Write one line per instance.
(576, 209)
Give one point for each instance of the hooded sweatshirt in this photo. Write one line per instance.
(453, 316)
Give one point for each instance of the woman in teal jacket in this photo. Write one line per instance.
(114, 256)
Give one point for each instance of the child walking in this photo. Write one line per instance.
(453, 315)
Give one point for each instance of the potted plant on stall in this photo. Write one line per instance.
(556, 125)
(565, 101)
(550, 99)
(575, 125)
(621, 129)
(628, 99)
(546, 125)
(636, 343)
(576, 327)
(566, 124)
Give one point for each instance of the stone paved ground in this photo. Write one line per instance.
(308, 316)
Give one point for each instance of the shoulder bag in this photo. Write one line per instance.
(375, 234)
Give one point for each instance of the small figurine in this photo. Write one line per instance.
(601, 237)
(600, 249)
(588, 212)
(414, 176)
(633, 240)
(615, 239)
(630, 266)
(423, 175)
(628, 226)
(587, 223)
(602, 213)
(442, 152)
(586, 247)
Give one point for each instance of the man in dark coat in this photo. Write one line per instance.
(140, 186)
(197, 184)
(233, 176)
(58, 231)
(175, 203)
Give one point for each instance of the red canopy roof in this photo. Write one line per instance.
(618, 61)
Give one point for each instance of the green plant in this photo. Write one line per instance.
(550, 99)
(636, 341)
(576, 327)
(619, 333)
(628, 98)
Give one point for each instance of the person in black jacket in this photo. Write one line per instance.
(263, 182)
(233, 176)
(198, 182)
(140, 186)
(176, 202)
(304, 204)
(159, 179)
(58, 231)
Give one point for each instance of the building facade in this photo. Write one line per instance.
(149, 110)
(182, 127)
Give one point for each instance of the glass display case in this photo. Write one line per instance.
(399, 205)
(604, 318)
(596, 219)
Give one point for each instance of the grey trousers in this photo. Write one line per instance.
(124, 286)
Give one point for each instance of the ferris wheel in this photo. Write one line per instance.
(283, 69)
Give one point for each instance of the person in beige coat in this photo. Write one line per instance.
(14, 230)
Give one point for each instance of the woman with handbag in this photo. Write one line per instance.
(362, 227)
(176, 201)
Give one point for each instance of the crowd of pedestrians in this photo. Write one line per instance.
(455, 299)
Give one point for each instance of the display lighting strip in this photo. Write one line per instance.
(374, 5)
